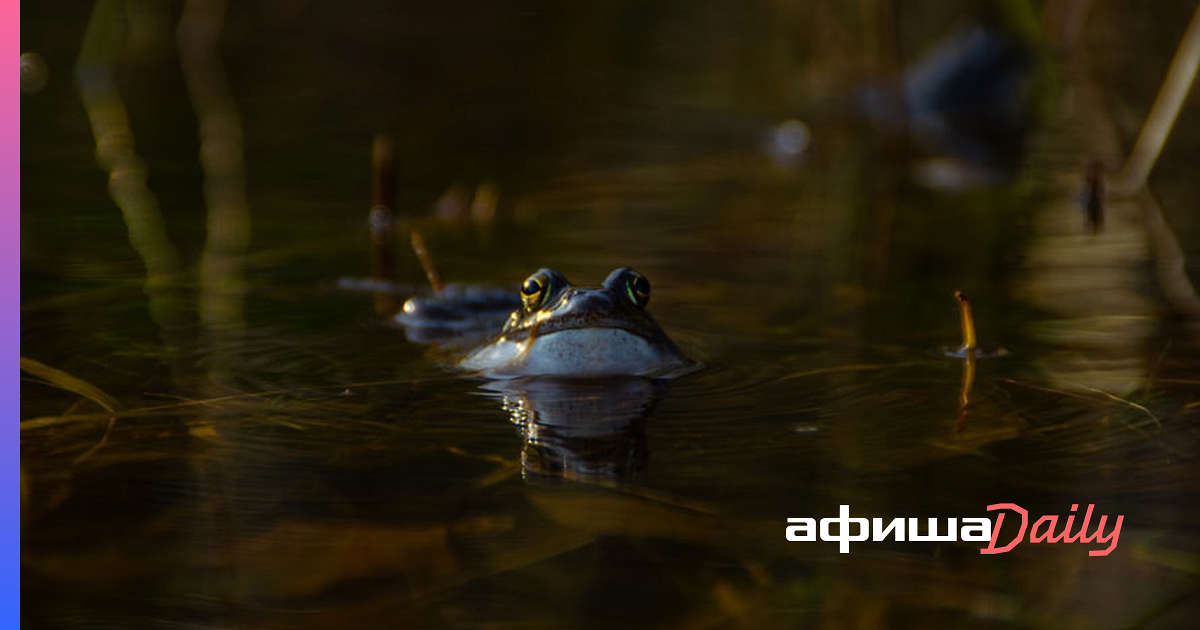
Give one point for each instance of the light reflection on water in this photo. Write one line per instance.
(308, 466)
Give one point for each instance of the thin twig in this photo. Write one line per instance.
(1123, 401)
(837, 369)
(76, 385)
(73, 384)
(418, 245)
(41, 422)
(1166, 107)
(1070, 394)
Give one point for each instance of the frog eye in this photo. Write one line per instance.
(637, 287)
(532, 292)
(536, 290)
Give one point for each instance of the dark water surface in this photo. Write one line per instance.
(281, 457)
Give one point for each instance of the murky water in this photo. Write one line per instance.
(279, 456)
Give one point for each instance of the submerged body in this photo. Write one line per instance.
(567, 331)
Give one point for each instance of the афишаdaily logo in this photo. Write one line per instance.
(971, 529)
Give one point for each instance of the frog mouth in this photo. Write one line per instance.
(590, 351)
(575, 323)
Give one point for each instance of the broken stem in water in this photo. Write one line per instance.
(966, 351)
(968, 324)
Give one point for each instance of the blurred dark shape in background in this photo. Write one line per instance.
(1093, 197)
(34, 72)
(968, 102)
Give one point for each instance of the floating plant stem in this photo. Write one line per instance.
(418, 245)
(968, 324)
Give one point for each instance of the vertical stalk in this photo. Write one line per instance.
(1166, 108)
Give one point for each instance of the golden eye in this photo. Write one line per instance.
(637, 287)
(532, 287)
(531, 292)
(536, 290)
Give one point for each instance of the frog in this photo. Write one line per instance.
(561, 330)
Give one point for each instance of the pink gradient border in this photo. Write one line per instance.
(10, 317)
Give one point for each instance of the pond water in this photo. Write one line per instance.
(279, 455)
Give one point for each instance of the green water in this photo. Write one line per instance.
(283, 458)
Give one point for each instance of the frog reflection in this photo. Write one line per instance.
(580, 430)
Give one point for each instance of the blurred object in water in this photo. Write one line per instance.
(457, 205)
(968, 101)
(1093, 197)
(948, 173)
(370, 285)
(223, 163)
(787, 142)
(483, 206)
(1091, 288)
(457, 312)
(116, 153)
(1065, 19)
(34, 72)
(454, 204)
